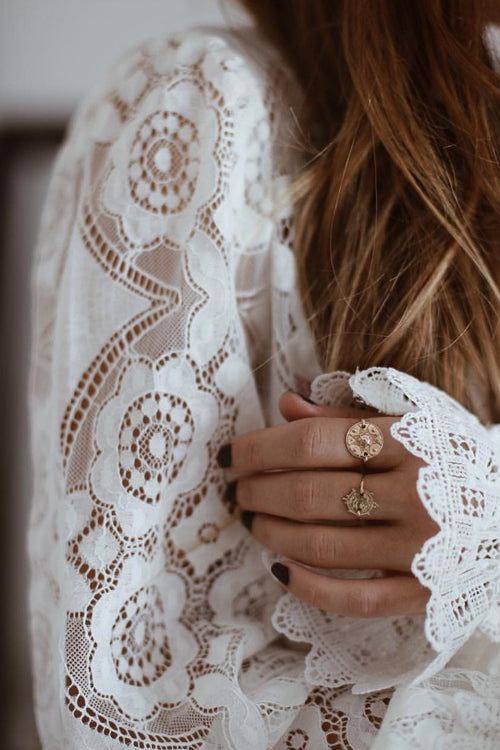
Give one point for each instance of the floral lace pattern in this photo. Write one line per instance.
(166, 320)
(460, 707)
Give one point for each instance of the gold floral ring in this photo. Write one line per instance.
(360, 502)
(364, 440)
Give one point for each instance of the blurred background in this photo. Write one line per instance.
(51, 53)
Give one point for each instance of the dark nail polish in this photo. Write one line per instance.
(281, 572)
(305, 398)
(230, 495)
(247, 519)
(309, 400)
(224, 456)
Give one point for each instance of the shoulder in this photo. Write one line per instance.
(183, 125)
(199, 70)
(181, 130)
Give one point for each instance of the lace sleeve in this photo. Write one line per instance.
(153, 311)
(460, 488)
(146, 595)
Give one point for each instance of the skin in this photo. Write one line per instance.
(293, 478)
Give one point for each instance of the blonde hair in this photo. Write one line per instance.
(398, 209)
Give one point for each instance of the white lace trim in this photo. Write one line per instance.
(456, 711)
(460, 489)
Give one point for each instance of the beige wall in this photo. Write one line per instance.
(52, 51)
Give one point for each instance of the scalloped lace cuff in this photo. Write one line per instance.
(460, 488)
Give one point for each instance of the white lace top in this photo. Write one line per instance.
(166, 320)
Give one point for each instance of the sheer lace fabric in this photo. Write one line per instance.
(166, 319)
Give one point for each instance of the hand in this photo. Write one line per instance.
(290, 483)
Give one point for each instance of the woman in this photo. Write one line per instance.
(234, 216)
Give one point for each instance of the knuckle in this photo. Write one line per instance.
(365, 602)
(303, 497)
(309, 442)
(322, 550)
(251, 453)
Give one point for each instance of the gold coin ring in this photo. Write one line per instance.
(364, 440)
(360, 502)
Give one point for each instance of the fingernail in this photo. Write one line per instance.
(309, 400)
(224, 456)
(246, 519)
(230, 495)
(281, 572)
(305, 398)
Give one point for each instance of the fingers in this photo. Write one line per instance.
(307, 443)
(318, 495)
(293, 406)
(379, 597)
(367, 546)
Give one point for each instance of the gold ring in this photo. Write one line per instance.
(364, 440)
(360, 502)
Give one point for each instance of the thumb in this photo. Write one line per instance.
(294, 406)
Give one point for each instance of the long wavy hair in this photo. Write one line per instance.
(397, 234)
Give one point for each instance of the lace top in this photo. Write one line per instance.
(166, 319)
